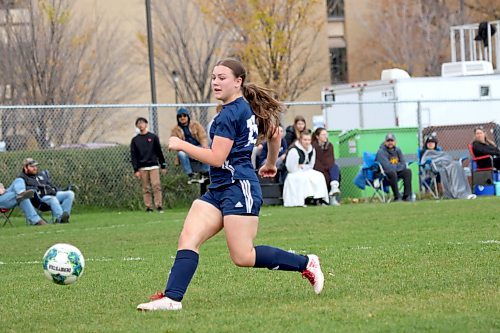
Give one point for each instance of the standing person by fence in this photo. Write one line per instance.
(234, 197)
(147, 158)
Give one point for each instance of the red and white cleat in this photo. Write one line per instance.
(314, 274)
(160, 302)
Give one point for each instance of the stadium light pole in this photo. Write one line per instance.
(153, 112)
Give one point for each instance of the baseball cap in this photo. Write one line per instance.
(29, 161)
(432, 138)
(390, 136)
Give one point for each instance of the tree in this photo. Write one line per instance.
(410, 34)
(52, 58)
(275, 39)
(486, 9)
(187, 48)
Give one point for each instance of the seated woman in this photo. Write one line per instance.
(431, 143)
(325, 163)
(302, 180)
(450, 173)
(482, 146)
(280, 162)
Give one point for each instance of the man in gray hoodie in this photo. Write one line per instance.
(392, 160)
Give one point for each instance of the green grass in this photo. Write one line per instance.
(402, 267)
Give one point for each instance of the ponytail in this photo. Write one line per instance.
(266, 108)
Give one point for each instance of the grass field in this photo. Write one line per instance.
(402, 267)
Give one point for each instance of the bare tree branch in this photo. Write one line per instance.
(410, 34)
(53, 58)
(189, 45)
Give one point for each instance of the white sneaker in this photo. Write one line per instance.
(333, 201)
(314, 274)
(334, 187)
(160, 303)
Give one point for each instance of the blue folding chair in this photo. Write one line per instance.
(372, 175)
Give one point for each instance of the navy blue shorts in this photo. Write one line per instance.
(243, 197)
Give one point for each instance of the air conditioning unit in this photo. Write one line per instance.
(464, 68)
(393, 74)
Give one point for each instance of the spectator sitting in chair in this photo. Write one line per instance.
(431, 143)
(191, 131)
(325, 163)
(16, 193)
(60, 202)
(483, 146)
(302, 181)
(393, 162)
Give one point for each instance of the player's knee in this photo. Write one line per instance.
(188, 241)
(243, 260)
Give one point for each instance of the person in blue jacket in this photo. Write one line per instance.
(234, 197)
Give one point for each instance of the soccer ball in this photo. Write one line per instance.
(63, 264)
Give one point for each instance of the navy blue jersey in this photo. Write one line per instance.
(236, 121)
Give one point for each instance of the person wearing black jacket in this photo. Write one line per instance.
(292, 132)
(60, 202)
(483, 146)
(147, 159)
(392, 160)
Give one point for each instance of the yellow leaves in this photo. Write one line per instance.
(142, 38)
(53, 14)
(81, 39)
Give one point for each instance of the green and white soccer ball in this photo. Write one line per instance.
(63, 263)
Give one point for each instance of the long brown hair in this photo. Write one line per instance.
(295, 121)
(317, 132)
(486, 139)
(261, 100)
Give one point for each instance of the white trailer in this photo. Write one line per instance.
(467, 92)
(390, 103)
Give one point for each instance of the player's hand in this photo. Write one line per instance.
(267, 171)
(164, 172)
(137, 174)
(174, 143)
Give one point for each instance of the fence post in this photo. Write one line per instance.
(419, 123)
(361, 117)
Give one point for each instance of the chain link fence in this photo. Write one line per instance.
(88, 145)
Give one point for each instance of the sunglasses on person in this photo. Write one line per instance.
(389, 140)
(182, 115)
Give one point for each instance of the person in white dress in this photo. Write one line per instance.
(302, 180)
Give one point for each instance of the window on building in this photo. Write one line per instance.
(338, 65)
(335, 8)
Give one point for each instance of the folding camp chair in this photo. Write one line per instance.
(41, 208)
(428, 175)
(5, 214)
(484, 175)
(372, 175)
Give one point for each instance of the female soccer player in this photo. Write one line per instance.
(234, 197)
